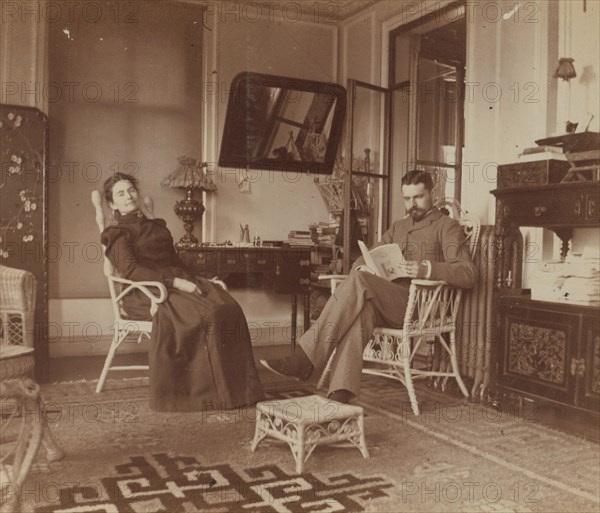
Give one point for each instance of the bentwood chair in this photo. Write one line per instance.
(430, 317)
(23, 426)
(119, 287)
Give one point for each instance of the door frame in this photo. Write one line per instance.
(451, 10)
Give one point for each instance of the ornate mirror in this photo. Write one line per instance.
(282, 123)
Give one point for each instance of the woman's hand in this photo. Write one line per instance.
(185, 285)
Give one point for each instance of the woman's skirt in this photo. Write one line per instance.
(201, 353)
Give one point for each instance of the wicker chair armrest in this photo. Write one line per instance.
(427, 283)
(334, 280)
(338, 277)
(144, 286)
(333, 276)
(219, 282)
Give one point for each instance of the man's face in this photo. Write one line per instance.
(417, 200)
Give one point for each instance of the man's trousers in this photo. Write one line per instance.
(360, 303)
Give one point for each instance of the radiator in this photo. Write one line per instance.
(477, 330)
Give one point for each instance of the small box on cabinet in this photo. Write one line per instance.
(541, 172)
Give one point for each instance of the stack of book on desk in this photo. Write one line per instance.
(299, 238)
(324, 233)
(323, 268)
(542, 153)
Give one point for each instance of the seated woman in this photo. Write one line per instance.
(200, 350)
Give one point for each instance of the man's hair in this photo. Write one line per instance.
(415, 177)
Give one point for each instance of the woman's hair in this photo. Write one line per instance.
(416, 177)
(117, 177)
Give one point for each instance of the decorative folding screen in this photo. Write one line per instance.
(23, 209)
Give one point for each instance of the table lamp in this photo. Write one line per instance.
(189, 175)
(566, 71)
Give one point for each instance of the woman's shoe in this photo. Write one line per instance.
(297, 366)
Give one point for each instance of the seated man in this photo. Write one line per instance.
(434, 247)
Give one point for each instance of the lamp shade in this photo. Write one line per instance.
(565, 69)
(189, 175)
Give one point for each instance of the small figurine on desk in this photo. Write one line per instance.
(244, 233)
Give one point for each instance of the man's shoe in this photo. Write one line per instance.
(290, 367)
(341, 396)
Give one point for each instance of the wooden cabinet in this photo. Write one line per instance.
(546, 350)
(550, 350)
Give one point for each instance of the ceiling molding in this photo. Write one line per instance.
(325, 12)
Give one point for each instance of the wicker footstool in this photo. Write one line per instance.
(306, 422)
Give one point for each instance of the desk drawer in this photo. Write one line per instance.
(204, 263)
(292, 270)
(538, 208)
(285, 270)
(245, 261)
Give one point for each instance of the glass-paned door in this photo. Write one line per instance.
(400, 151)
(439, 123)
(366, 185)
(427, 70)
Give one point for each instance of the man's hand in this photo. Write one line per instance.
(410, 268)
(364, 268)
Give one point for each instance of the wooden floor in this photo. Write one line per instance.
(89, 367)
(79, 368)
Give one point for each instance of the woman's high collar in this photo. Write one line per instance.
(131, 217)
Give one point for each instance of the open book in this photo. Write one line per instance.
(384, 260)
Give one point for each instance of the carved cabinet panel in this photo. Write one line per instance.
(537, 350)
(551, 351)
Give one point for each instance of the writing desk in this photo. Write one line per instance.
(284, 270)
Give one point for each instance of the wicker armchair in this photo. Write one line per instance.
(22, 421)
(119, 288)
(430, 317)
(17, 305)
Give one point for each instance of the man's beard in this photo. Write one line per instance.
(417, 213)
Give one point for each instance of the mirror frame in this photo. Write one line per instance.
(236, 110)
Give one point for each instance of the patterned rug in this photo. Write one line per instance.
(456, 456)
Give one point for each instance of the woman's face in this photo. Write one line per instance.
(125, 197)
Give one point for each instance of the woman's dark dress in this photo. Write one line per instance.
(200, 350)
